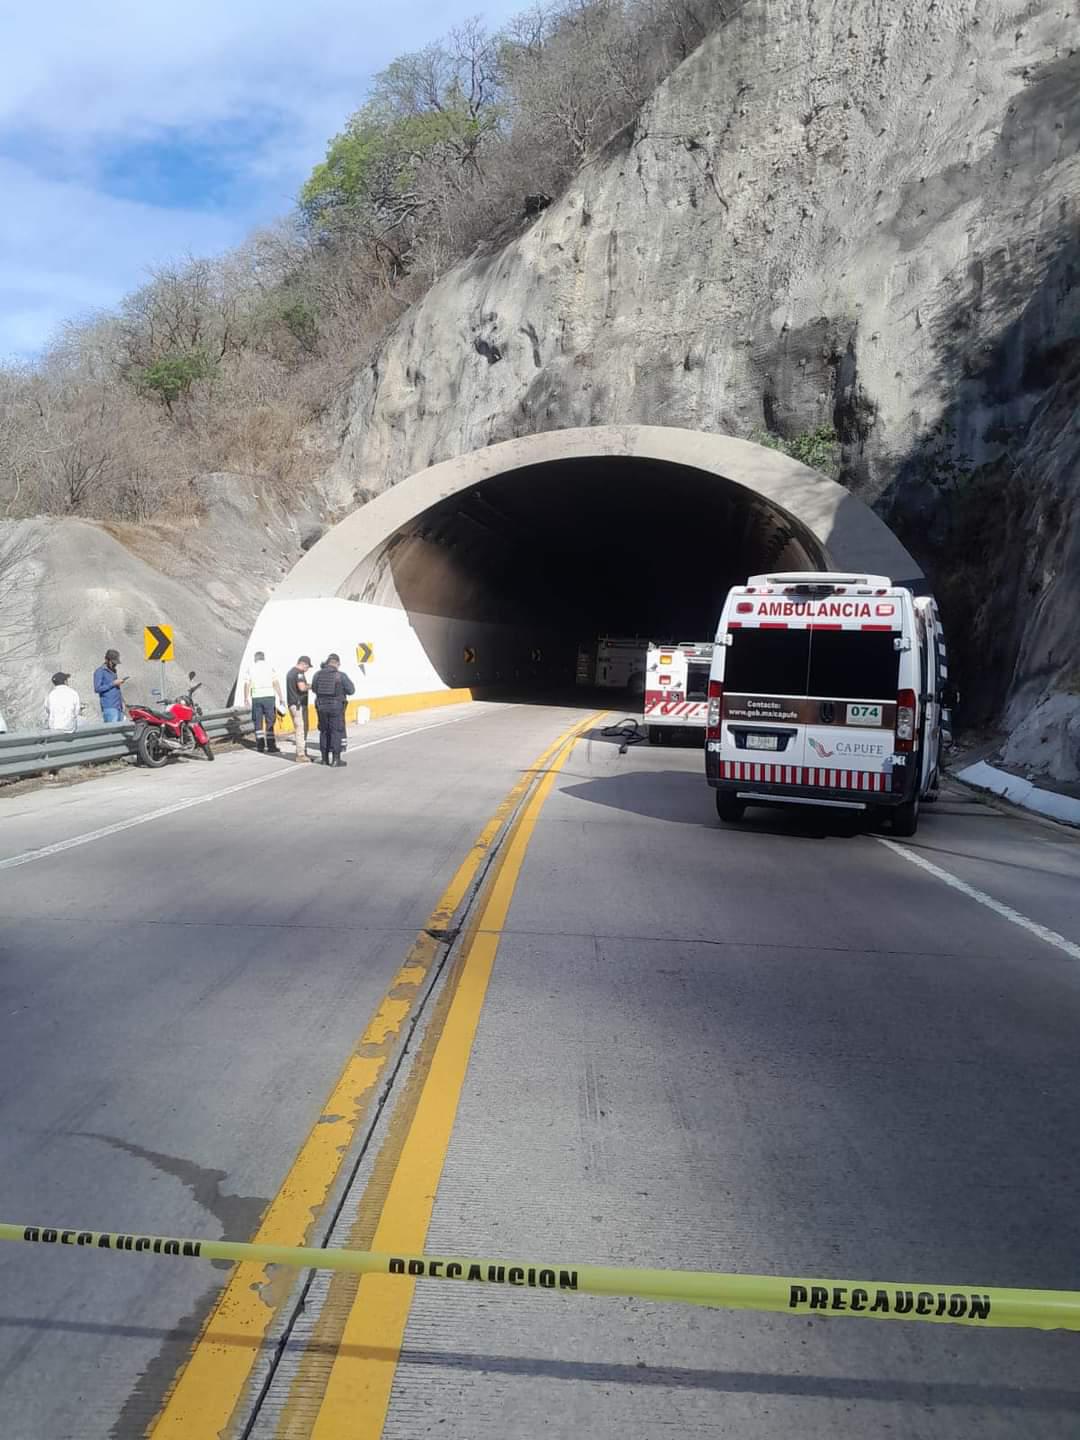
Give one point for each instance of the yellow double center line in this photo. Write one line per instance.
(344, 1369)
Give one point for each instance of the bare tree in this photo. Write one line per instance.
(225, 364)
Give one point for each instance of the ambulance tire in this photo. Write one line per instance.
(729, 807)
(905, 818)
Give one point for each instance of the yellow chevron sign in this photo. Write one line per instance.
(158, 642)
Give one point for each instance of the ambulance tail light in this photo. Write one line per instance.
(905, 720)
(716, 705)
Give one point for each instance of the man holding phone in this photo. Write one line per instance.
(107, 689)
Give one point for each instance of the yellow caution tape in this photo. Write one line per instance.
(791, 1295)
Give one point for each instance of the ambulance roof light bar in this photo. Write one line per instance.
(819, 577)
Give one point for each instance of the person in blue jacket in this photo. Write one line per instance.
(107, 689)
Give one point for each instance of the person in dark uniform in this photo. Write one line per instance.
(331, 689)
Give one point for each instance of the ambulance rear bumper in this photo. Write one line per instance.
(764, 799)
(809, 795)
(675, 722)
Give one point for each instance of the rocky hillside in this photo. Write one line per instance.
(862, 215)
(858, 219)
(71, 588)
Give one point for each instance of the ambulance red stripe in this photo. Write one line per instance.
(818, 776)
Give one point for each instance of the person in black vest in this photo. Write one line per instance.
(331, 689)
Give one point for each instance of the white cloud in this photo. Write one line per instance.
(101, 75)
(68, 250)
(123, 68)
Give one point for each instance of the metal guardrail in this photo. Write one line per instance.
(31, 752)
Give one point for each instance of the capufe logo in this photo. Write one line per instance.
(867, 748)
(819, 749)
(825, 610)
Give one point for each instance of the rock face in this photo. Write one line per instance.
(75, 587)
(862, 215)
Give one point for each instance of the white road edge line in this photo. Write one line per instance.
(106, 830)
(1051, 937)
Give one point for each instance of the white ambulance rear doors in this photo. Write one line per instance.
(811, 688)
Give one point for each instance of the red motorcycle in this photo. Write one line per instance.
(175, 729)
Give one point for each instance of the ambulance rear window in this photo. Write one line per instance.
(830, 664)
(853, 665)
(767, 662)
(697, 681)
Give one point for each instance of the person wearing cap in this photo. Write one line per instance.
(62, 704)
(107, 689)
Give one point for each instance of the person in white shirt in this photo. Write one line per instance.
(63, 705)
(262, 691)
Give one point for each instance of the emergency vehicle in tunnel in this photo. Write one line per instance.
(826, 689)
(613, 662)
(676, 689)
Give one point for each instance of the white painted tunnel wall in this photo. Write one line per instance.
(287, 629)
(402, 663)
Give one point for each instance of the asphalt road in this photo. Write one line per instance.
(776, 1047)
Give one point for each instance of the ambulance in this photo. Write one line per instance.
(676, 688)
(826, 689)
(614, 662)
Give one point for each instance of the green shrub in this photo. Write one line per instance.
(171, 376)
(299, 318)
(820, 448)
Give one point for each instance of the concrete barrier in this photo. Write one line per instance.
(1018, 791)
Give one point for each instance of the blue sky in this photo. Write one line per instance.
(131, 134)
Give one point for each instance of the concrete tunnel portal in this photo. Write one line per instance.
(490, 569)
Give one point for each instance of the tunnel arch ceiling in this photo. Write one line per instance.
(492, 566)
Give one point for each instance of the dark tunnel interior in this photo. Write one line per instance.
(561, 553)
(604, 546)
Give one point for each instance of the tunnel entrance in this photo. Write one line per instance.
(584, 547)
(492, 567)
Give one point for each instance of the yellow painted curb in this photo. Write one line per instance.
(379, 706)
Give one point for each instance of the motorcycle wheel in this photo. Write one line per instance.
(208, 751)
(149, 748)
